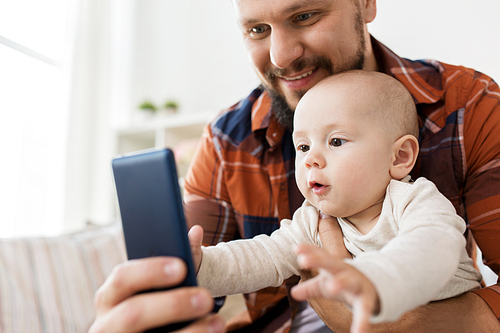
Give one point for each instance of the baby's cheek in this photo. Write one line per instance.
(303, 188)
(300, 174)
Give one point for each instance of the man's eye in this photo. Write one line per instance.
(304, 148)
(258, 31)
(304, 17)
(337, 142)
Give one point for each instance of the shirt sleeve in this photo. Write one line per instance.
(247, 265)
(206, 201)
(422, 258)
(481, 132)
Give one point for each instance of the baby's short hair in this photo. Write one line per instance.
(395, 110)
(403, 116)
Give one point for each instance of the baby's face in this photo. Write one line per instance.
(343, 158)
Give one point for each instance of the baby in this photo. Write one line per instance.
(355, 136)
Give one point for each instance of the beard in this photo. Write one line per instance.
(280, 106)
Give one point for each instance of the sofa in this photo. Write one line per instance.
(47, 284)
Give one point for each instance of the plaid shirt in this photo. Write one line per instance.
(242, 181)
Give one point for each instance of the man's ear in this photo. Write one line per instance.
(404, 156)
(369, 10)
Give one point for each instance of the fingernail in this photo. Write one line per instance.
(216, 325)
(172, 268)
(301, 260)
(198, 302)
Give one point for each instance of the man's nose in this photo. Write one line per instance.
(285, 47)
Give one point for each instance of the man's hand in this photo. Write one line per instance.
(464, 313)
(331, 236)
(120, 308)
(337, 281)
(195, 235)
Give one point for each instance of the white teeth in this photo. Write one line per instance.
(298, 77)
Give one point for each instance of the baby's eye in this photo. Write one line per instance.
(303, 148)
(337, 142)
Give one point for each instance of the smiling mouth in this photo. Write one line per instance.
(298, 77)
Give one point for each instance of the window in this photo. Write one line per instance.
(33, 116)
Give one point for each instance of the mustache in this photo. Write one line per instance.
(299, 65)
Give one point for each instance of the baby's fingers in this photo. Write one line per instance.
(323, 285)
(312, 257)
(361, 312)
(306, 290)
(360, 294)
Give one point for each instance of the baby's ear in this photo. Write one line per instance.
(404, 156)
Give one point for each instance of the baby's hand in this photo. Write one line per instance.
(337, 281)
(195, 235)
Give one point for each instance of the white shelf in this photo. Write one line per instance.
(160, 131)
(174, 121)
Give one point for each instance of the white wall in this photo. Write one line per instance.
(459, 32)
(190, 50)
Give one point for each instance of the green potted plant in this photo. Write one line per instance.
(171, 106)
(148, 106)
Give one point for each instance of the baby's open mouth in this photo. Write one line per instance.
(317, 188)
(315, 185)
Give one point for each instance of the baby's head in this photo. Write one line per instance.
(353, 133)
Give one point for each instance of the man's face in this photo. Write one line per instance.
(294, 44)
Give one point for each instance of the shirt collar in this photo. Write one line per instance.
(421, 78)
(263, 120)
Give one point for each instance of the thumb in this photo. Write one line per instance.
(331, 236)
(195, 236)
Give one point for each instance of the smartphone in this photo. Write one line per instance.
(151, 211)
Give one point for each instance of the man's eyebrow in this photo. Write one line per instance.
(291, 9)
(247, 22)
(301, 4)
